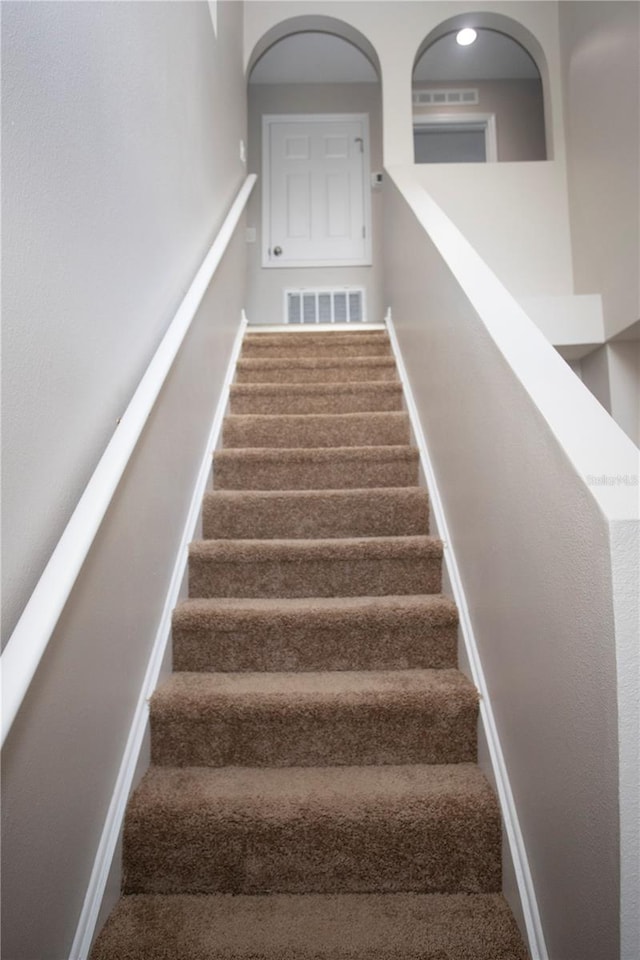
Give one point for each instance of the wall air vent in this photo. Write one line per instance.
(445, 98)
(324, 305)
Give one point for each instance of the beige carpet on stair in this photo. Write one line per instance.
(313, 791)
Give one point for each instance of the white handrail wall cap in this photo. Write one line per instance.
(35, 627)
(600, 452)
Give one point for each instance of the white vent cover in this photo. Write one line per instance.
(325, 305)
(448, 98)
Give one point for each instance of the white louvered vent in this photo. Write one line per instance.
(345, 305)
(449, 98)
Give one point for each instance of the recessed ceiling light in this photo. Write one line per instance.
(466, 36)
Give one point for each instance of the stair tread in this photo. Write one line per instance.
(305, 368)
(196, 692)
(322, 344)
(339, 396)
(316, 363)
(335, 548)
(396, 926)
(319, 454)
(352, 495)
(318, 419)
(435, 604)
(319, 387)
(313, 430)
(273, 793)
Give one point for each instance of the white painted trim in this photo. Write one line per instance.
(515, 839)
(314, 327)
(213, 12)
(487, 119)
(33, 631)
(270, 118)
(115, 814)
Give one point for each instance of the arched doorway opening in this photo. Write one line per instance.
(478, 94)
(315, 141)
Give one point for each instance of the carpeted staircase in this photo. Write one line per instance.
(313, 790)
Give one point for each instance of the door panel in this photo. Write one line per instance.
(298, 206)
(316, 210)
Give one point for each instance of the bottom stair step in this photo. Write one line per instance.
(315, 927)
(392, 829)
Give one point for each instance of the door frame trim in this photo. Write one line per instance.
(488, 120)
(267, 120)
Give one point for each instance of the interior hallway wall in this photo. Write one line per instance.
(600, 44)
(519, 111)
(265, 286)
(120, 159)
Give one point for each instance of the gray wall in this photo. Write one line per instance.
(265, 286)
(600, 45)
(518, 107)
(600, 54)
(120, 160)
(120, 156)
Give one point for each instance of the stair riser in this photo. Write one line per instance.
(415, 730)
(430, 848)
(286, 400)
(336, 474)
(353, 430)
(293, 372)
(315, 578)
(314, 642)
(306, 517)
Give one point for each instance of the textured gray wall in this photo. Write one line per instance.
(120, 160)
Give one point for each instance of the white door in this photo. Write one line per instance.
(316, 201)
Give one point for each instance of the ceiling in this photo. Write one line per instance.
(313, 58)
(493, 56)
(324, 58)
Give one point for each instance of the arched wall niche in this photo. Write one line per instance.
(314, 24)
(515, 31)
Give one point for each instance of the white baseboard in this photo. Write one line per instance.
(513, 832)
(85, 930)
(315, 327)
